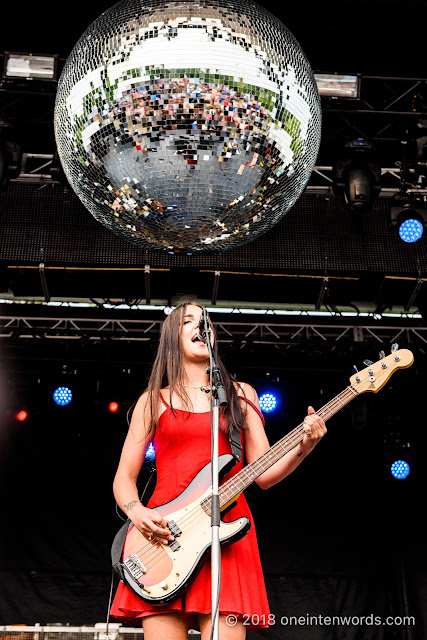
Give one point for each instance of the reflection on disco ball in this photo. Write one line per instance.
(188, 125)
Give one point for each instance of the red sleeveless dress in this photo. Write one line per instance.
(182, 445)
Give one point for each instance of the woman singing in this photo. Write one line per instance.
(174, 414)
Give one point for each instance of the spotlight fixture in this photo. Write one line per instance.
(268, 402)
(334, 85)
(357, 175)
(26, 66)
(400, 469)
(408, 217)
(62, 396)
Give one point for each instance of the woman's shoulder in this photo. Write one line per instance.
(148, 400)
(245, 390)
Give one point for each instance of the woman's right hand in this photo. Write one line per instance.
(150, 523)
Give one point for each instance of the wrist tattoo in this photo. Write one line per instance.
(130, 505)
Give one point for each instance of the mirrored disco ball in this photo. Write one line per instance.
(187, 125)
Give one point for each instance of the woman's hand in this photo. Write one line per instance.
(149, 522)
(315, 429)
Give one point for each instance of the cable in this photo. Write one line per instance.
(109, 606)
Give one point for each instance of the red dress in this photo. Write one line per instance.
(182, 447)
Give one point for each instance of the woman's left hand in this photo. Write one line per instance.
(315, 429)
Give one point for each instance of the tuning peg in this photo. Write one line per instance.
(367, 363)
(355, 368)
(394, 347)
(382, 355)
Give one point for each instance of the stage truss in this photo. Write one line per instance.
(271, 329)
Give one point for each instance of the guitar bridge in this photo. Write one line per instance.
(135, 566)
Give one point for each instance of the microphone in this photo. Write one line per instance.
(201, 333)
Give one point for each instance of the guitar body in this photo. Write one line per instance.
(158, 573)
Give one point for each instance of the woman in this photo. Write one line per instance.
(174, 413)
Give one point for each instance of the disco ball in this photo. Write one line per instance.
(187, 125)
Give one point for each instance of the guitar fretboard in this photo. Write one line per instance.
(239, 482)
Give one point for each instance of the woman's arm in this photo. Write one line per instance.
(256, 443)
(148, 521)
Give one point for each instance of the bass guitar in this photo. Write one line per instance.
(158, 572)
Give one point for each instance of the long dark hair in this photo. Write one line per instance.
(168, 370)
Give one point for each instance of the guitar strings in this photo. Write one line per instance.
(194, 516)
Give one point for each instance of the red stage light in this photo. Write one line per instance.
(21, 415)
(113, 407)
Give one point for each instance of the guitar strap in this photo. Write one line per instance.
(117, 549)
(235, 440)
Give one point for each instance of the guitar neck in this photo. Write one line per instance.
(239, 482)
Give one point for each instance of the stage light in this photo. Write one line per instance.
(62, 396)
(357, 175)
(23, 66)
(400, 469)
(268, 402)
(113, 407)
(408, 217)
(21, 416)
(334, 85)
(411, 230)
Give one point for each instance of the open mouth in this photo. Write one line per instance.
(195, 338)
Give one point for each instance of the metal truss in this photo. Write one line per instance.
(271, 330)
(321, 182)
(395, 97)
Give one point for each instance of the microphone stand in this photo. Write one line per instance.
(218, 399)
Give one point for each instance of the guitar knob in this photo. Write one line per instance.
(164, 585)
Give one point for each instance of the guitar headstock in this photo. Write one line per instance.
(375, 376)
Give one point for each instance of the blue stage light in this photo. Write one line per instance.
(62, 396)
(411, 230)
(268, 402)
(400, 469)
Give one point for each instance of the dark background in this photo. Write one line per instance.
(340, 536)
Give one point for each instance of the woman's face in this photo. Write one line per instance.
(193, 349)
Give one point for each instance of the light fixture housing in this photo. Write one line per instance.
(338, 85)
(408, 217)
(26, 66)
(357, 174)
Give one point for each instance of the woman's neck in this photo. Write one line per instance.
(195, 374)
